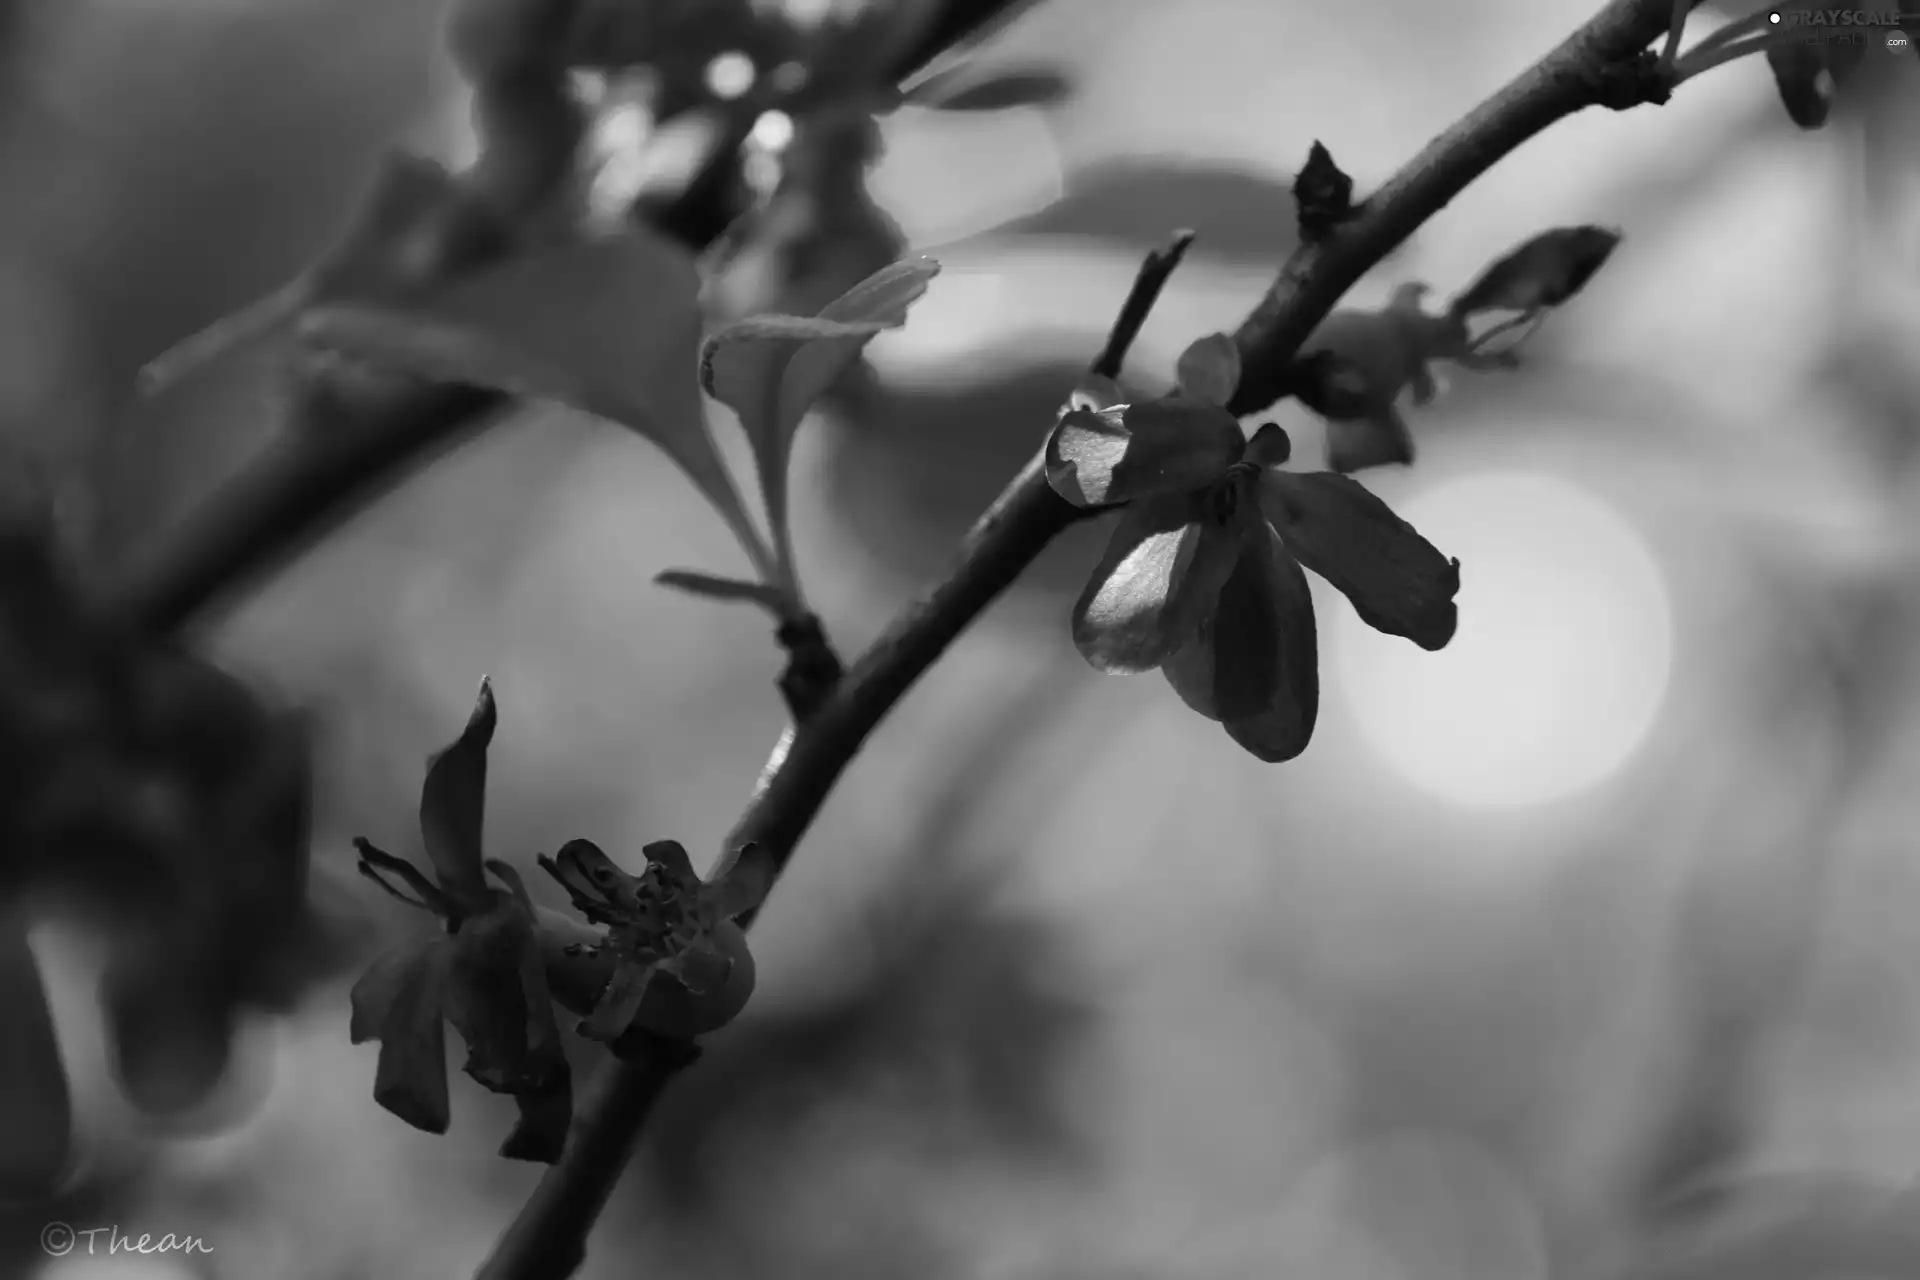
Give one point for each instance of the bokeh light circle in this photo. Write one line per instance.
(1561, 663)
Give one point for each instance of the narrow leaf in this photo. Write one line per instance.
(964, 88)
(715, 587)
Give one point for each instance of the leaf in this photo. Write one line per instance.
(609, 325)
(1543, 272)
(453, 802)
(35, 1104)
(770, 369)
(716, 587)
(398, 232)
(964, 88)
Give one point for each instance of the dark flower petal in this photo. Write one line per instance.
(383, 985)
(1378, 440)
(1127, 452)
(1159, 576)
(35, 1105)
(1270, 447)
(701, 969)
(1209, 370)
(453, 803)
(618, 1005)
(545, 1115)
(511, 1038)
(1396, 580)
(671, 857)
(411, 1078)
(1266, 667)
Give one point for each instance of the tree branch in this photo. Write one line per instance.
(1605, 62)
(1601, 63)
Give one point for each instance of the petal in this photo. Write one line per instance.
(1377, 440)
(411, 1078)
(497, 1000)
(671, 857)
(1266, 674)
(590, 878)
(453, 802)
(700, 969)
(619, 1004)
(383, 985)
(1097, 457)
(35, 1105)
(545, 1116)
(1270, 447)
(1396, 580)
(1160, 575)
(1209, 370)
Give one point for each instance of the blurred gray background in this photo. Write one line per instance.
(1616, 889)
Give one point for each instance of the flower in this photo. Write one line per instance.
(1203, 576)
(484, 973)
(664, 923)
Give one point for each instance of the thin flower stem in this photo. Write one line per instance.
(546, 1240)
(1676, 32)
(1758, 21)
(1694, 63)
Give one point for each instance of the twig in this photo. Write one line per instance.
(1152, 278)
(1599, 63)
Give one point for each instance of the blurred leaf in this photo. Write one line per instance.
(1543, 272)
(1133, 202)
(715, 587)
(1798, 1227)
(771, 369)
(1805, 84)
(963, 88)
(35, 1107)
(609, 325)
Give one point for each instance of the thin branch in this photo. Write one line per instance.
(1152, 278)
(1605, 62)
